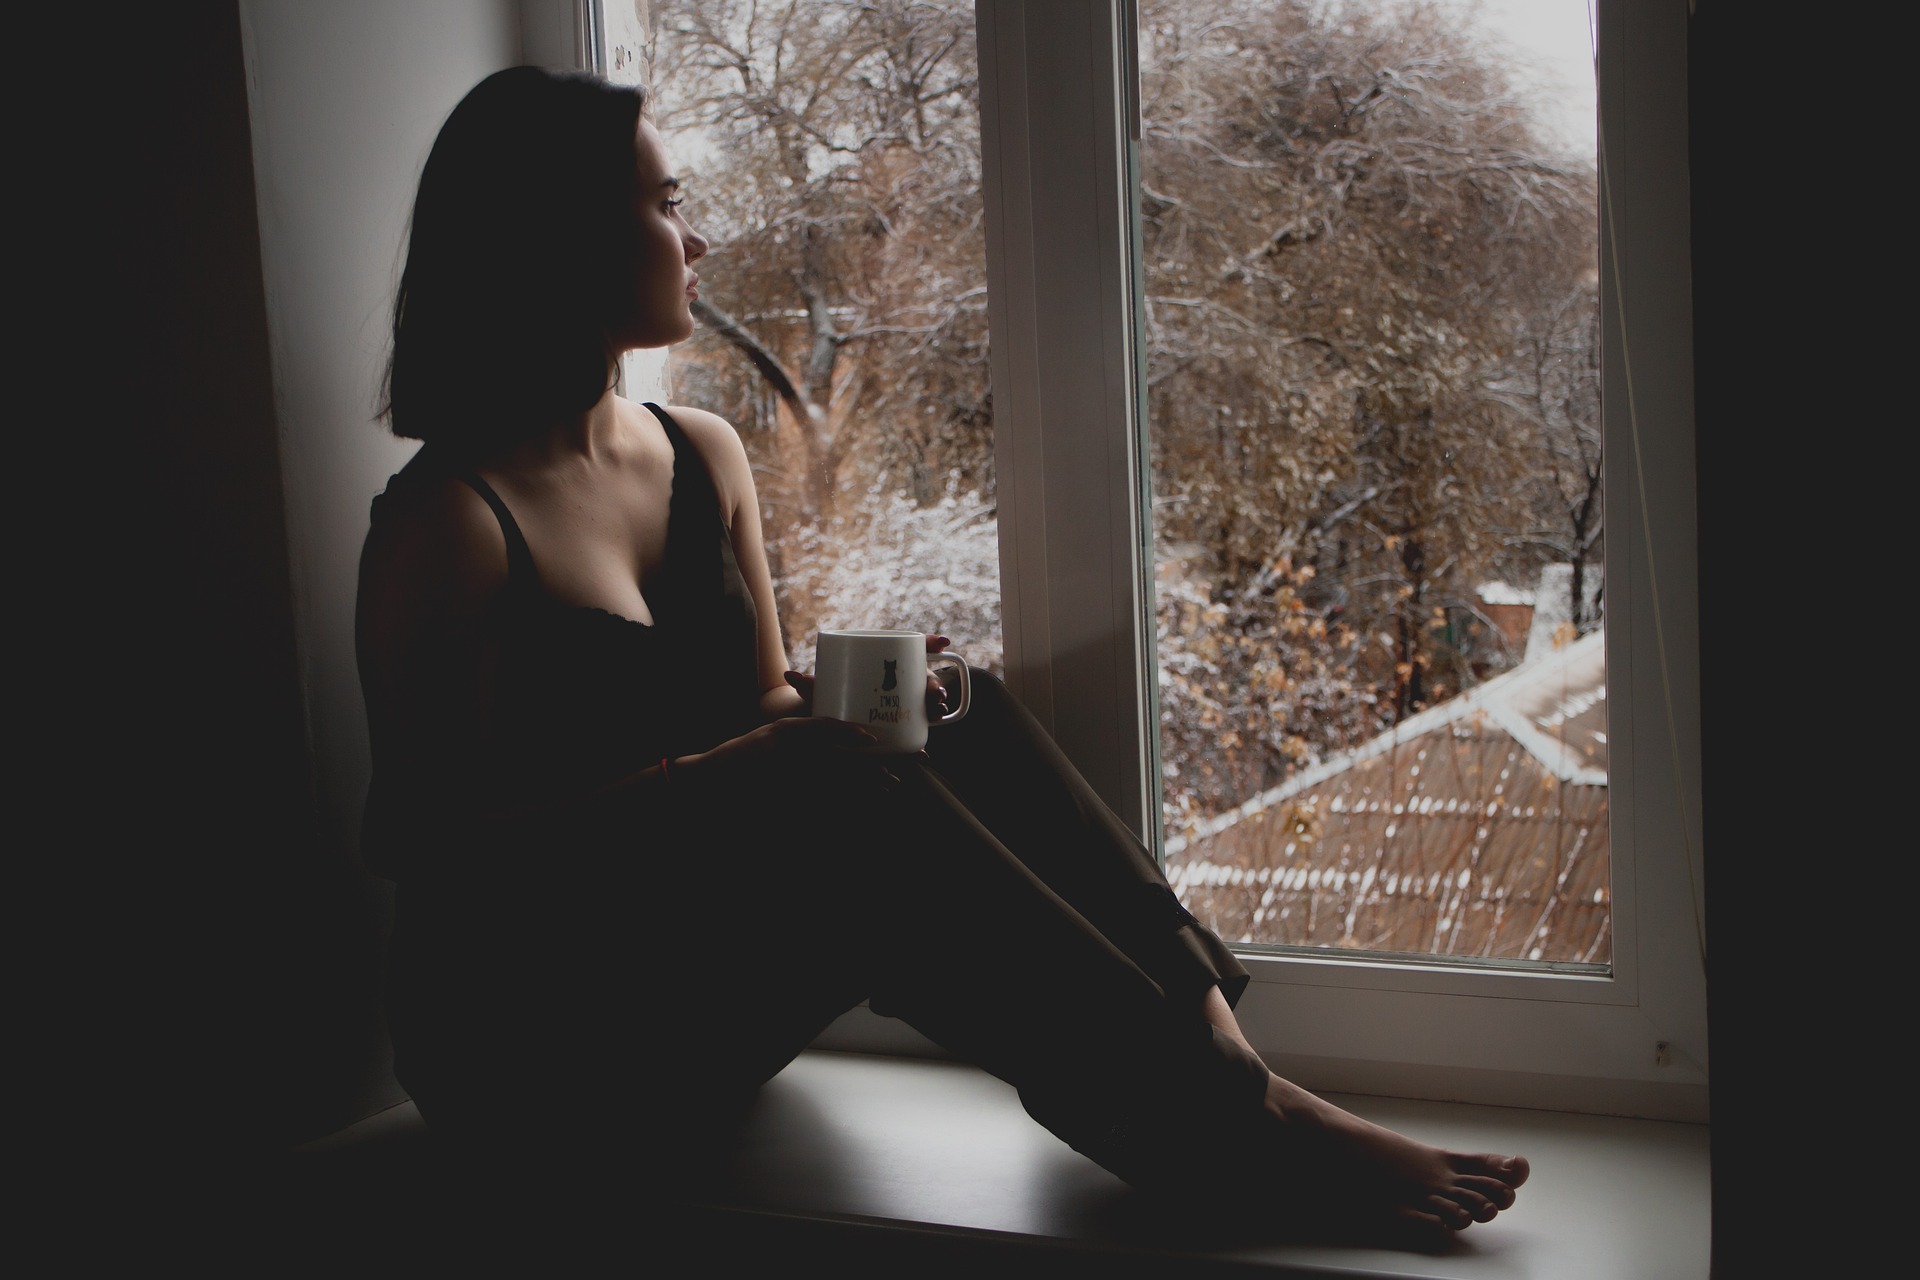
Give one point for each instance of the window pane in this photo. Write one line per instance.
(1369, 247)
(831, 152)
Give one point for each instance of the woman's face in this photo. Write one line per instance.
(664, 251)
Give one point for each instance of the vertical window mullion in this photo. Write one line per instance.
(1066, 410)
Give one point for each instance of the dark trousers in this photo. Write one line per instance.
(986, 896)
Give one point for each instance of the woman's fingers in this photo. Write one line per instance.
(936, 692)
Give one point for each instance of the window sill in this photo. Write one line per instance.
(921, 1166)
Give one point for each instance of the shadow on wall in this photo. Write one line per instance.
(251, 958)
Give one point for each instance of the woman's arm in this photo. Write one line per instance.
(792, 744)
(726, 458)
(432, 565)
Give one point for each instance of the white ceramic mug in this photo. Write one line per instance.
(878, 680)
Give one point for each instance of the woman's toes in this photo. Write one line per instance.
(1473, 1204)
(1491, 1189)
(1428, 1228)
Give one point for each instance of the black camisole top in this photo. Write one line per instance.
(584, 697)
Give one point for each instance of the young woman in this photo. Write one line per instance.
(635, 877)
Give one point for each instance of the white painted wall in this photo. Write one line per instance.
(346, 98)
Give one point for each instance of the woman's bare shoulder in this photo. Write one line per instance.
(720, 446)
(705, 428)
(434, 545)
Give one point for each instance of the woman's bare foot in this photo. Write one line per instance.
(1376, 1172)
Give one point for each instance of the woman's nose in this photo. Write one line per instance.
(696, 246)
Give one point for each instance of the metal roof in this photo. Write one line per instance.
(1477, 828)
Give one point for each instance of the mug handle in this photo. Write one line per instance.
(966, 686)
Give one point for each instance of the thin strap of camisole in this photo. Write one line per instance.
(674, 434)
(519, 555)
(696, 505)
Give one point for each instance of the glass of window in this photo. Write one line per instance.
(832, 157)
(1371, 328)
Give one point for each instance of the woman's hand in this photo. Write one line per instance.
(936, 692)
(802, 684)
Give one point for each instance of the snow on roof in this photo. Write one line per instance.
(1477, 827)
(1503, 593)
(1545, 705)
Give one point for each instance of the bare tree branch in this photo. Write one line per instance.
(733, 332)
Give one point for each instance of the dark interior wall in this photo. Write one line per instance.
(1753, 480)
(255, 961)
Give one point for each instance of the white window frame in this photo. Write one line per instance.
(1056, 108)
(1056, 135)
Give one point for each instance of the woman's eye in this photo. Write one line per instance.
(675, 204)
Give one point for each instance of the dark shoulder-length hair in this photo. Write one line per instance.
(518, 258)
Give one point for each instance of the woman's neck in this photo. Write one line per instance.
(589, 436)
